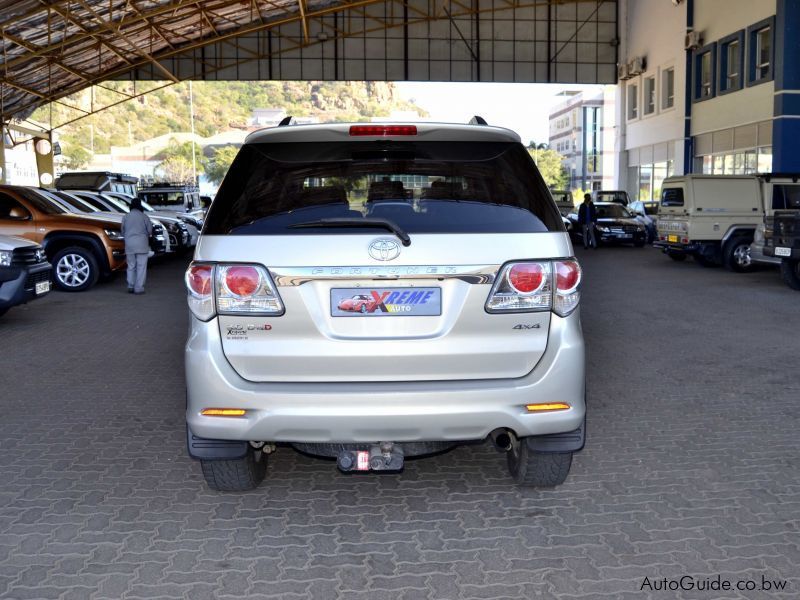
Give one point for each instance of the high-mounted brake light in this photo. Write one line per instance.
(382, 130)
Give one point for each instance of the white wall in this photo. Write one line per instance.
(654, 29)
(715, 19)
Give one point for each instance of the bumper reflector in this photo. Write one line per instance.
(547, 406)
(223, 412)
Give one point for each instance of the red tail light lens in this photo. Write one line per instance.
(198, 279)
(382, 130)
(568, 276)
(242, 281)
(526, 278)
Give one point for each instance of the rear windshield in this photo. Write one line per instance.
(422, 187)
(672, 197)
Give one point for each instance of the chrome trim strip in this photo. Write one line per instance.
(294, 276)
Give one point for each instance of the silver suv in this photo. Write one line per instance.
(373, 292)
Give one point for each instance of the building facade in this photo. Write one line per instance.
(581, 131)
(706, 87)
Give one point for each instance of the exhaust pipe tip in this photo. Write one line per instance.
(501, 440)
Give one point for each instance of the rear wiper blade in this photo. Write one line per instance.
(369, 223)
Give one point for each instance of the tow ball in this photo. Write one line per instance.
(386, 456)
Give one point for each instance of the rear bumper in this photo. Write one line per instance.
(391, 411)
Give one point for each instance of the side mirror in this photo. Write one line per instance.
(18, 214)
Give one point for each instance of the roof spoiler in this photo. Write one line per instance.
(287, 121)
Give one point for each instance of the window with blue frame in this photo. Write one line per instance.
(704, 72)
(731, 63)
(760, 52)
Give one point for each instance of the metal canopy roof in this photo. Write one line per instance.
(52, 48)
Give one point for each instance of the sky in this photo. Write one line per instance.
(522, 107)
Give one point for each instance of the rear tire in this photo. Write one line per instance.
(237, 475)
(529, 468)
(737, 255)
(790, 270)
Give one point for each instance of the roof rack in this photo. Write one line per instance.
(289, 120)
(477, 120)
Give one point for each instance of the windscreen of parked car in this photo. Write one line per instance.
(422, 187)
(786, 197)
(163, 198)
(612, 197)
(612, 211)
(43, 203)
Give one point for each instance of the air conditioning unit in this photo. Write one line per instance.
(622, 72)
(693, 40)
(637, 66)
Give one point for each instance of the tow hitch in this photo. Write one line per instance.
(386, 456)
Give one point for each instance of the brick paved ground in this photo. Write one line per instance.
(691, 465)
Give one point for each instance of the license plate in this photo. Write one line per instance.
(626, 235)
(386, 302)
(42, 287)
(780, 251)
(672, 238)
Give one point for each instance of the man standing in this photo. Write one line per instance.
(136, 229)
(587, 217)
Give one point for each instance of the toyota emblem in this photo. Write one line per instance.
(384, 249)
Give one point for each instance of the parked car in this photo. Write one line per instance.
(175, 234)
(618, 196)
(786, 239)
(80, 247)
(98, 181)
(615, 225)
(24, 271)
(647, 214)
(777, 239)
(475, 333)
(172, 196)
(564, 201)
(714, 218)
(191, 223)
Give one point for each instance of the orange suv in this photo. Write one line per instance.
(81, 247)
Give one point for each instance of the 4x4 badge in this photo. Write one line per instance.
(384, 249)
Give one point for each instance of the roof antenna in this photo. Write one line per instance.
(477, 120)
(287, 121)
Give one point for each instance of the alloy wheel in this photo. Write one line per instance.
(73, 270)
(741, 255)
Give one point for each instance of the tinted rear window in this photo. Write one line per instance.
(672, 197)
(423, 187)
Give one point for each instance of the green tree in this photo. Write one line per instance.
(219, 163)
(76, 157)
(174, 169)
(176, 162)
(549, 163)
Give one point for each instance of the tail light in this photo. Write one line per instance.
(199, 283)
(567, 281)
(522, 287)
(246, 289)
(231, 289)
(536, 286)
